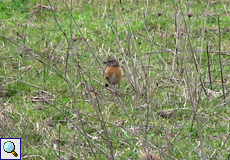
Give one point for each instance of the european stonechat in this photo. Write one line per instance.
(113, 72)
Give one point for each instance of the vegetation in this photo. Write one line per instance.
(173, 101)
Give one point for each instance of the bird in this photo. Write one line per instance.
(113, 72)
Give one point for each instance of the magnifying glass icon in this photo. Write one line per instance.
(9, 147)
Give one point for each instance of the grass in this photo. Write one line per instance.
(171, 102)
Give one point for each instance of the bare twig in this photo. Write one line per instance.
(191, 91)
(96, 105)
(221, 69)
(209, 71)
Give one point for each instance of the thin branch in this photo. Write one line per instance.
(209, 71)
(221, 69)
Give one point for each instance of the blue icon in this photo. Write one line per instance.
(9, 147)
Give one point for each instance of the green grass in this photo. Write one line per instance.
(39, 83)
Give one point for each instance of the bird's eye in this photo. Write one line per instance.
(109, 61)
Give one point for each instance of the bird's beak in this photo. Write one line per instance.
(105, 62)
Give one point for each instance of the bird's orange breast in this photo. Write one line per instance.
(113, 75)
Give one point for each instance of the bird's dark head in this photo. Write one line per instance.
(112, 63)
